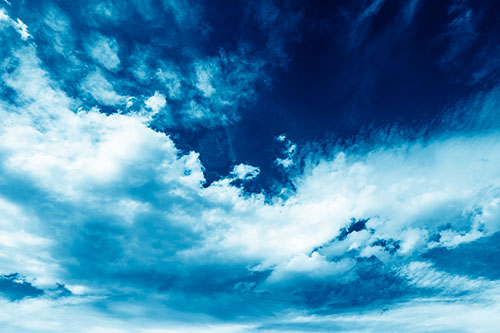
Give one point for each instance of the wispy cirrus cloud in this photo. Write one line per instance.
(209, 88)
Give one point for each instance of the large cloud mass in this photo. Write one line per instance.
(105, 221)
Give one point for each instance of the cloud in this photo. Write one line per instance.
(422, 314)
(204, 75)
(128, 206)
(101, 89)
(169, 75)
(59, 31)
(22, 29)
(104, 50)
(17, 24)
(119, 214)
(156, 102)
(222, 85)
(209, 88)
(245, 171)
(289, 152)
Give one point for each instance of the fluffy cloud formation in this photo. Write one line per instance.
(156, 102)
(106, 221)
(245, 171)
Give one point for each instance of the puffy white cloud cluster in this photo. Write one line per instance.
(102, 203)
(406, 192)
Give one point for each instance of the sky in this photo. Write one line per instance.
(249, 166)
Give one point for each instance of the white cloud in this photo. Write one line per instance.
(421, 314)
(423, 275)
(21, 249)
(284, 162)
(83, 169)
(245, 171)
(170, 76)
(17, 24)
(101, 89)
(196, 112)
(3, 15)
(59, 32)
(314, 265)
(289, 152)
(217, 88)
(156, 102)
(22, 29)
(204, 76)
(76, 314)
(406, 191)
(104, 50)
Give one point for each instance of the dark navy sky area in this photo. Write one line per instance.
(249, 166)
(404, 64)
(329, 68)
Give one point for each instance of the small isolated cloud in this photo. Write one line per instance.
(288, 151)
(104, 50)
(245, 171)
(156, 102)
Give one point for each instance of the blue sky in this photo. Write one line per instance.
(260, 166)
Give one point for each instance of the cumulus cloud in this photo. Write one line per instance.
(156, 102)
(245, 171)
(115, 211)
(123, 199)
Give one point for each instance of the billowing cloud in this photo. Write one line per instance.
(106, 221)
(245, 171)
(156, 102)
